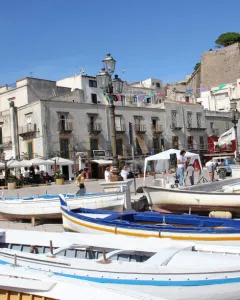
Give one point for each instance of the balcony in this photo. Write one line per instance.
(139, 128)
(5, 142)
(65, 126)
(27, 130)
(157, 129)
(194, 128)
(176, 126)
(215, 131)
(121, 128)
(94, 127)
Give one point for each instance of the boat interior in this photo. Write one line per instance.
(155, 220)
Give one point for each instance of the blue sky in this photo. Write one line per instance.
(54, 39)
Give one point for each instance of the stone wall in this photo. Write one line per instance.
(194, 82)
(220, 66)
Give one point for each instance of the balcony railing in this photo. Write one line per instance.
(215, 131)
(140, 128)
(65, 126)
(94, 127)
(27, 130)
(157, 128)
(5, 142)
(175, 126)
(121, 128)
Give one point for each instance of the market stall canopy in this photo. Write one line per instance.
(25, 163)
(62, 161)
(40, 162)
(165, 155)
(2, 165)
(14, 164)
(102, 162)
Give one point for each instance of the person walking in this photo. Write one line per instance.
(211, 166)
(80, 183)
(190, 173)
(181, 160)
(124, 173)
(107, 174)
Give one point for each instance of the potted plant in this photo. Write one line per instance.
(59, 178)
(11, 182)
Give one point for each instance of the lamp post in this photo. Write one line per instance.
(111, 87)
(235, 118)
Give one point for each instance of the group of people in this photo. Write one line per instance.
(183, 163)
(108, 173)
(34, 175)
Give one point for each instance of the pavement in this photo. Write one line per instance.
(92, 186)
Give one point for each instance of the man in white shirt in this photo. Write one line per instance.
(211, 166)
(181, 160)
(124, 173)
(107, 174)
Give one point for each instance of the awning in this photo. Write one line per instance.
(142, 144)
(219, 154)
(102, 162)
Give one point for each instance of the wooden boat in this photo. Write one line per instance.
(171, 269)
(202, 198)
(48, 207)
(25, 284)
(150, 224)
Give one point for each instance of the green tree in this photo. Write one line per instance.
(227, 39)
(197, 66)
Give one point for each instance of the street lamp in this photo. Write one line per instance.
(235, 118)
(111, 86)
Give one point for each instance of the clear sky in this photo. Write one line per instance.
(54, 39)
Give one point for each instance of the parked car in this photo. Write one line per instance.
(225, 162)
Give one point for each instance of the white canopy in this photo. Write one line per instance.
(62, 161)
(102, 162)
(14, 164)
(165, 155)
(40, 162)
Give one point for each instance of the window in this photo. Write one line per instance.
(94, 98)
(156, 145)
(28, 118)
(30, 150)
(154, 122)
(134, 99)
(92, 83)
(211, 125)
(119, 147)
(190, 142)
(201, 142)
(138, 148)
(227, 126)
(189, 119)
(174, 118)
(64, 148)
(158, 85)
(118, 121)
(62, 122)
(199, 123)
(175, 144)
(123, 99)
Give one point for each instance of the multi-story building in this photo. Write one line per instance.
(70, 116)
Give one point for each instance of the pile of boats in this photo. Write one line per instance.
(106, 252)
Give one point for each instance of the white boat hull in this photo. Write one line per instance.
(50, 208)
(178, 200)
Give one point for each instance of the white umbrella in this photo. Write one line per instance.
(26, 163)
(62, 161)
(14, 164)
(40, 162)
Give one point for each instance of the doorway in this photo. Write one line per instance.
(65, 172)
(95, 172)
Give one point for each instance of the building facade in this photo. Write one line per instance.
(70, 118)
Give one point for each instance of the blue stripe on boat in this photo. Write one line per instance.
(143, 282)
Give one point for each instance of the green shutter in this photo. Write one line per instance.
(64, 149)
(30, 150)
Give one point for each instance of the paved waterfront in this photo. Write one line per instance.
(92, 186)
